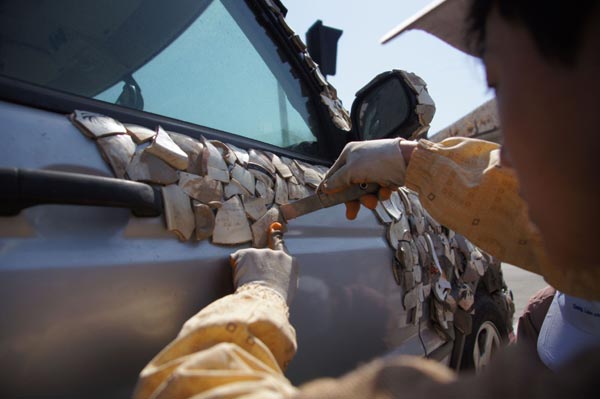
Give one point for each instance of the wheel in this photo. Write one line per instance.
(489, 333)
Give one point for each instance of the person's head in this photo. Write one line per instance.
(543, 60)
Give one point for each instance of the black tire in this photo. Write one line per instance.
(489, 333)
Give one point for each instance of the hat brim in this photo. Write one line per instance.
(559, 340)
(444, 19)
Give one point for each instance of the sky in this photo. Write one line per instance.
(455, 80)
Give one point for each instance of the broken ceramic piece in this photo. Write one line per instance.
(263, 191)
(297, 191)
(231, 224)
(241, 155)
(178, 212)
(96, 125)
(234, 187)
(255, 207)
(245, 178)
(164, 147)
(140, 134)
(261, 174)
(228, 155)
(260, 229)
(295, 169)
(281, 191)
(311, 176)
(391, 208)
(382, 214)
(205, 220)
(201, 188)
(257, 157)
(396, 233)
(193, 148)
(213, 162)
(117, 150)
(146, 167)
(283, 170)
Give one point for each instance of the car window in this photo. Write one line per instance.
(218, 69)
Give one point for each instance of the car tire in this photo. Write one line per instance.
(489, 333)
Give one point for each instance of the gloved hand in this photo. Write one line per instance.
(375, 161)
(272, 268)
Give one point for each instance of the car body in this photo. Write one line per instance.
(89, 294)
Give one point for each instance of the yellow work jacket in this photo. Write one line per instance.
(239, 346)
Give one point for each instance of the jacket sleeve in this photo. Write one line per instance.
(461, 183)
(463, 186)
(235, 347)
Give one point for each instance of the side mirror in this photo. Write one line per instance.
(393, 104)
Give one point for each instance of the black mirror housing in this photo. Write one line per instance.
(394, 104)
(321, 42)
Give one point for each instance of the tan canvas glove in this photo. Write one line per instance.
(375, 161)
(272, 268)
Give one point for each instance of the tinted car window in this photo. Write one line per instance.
(210, 64)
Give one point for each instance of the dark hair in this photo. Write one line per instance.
(556, 26)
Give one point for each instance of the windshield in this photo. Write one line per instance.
(206, 62)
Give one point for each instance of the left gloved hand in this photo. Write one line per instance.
(272, 268)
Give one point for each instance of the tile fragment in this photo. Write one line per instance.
(245, 178)
(205, 220)
(212, 158)
(281, 191)
(140, 134)
(234, 187)
(201, 188)
(382, 214)
(241, 155)
(231, 224)
(266, 192)
(179, 215)
(145, 167)
(228, 155)
(258, 157)
(96, 125)
(255, 207)
(118, 151)
(260, 228)
(283, 170)
(164, 147)
(193, 148)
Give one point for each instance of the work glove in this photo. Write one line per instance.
(272, 268)
(375, 161)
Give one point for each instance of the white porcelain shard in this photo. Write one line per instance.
(228, 156)
(261, 159)
(201, 188)
(245, 178)
(260, 229)
(118, 151)
(281, 191)
(96, 125)
(283, 170)
(212, 158)
(234, 187)
(384, 217)
(297, 191)
(296, 171)
(178, 212)
(146, 167)
(164, 147)
(417, 211)
(405, 201)
(255, 207)
(391, 209)
(241, 155)
(231, 224)
(193, 148)
(263, 191)
(261, 174)
(312, 178)
(140, 134)
(205, 221)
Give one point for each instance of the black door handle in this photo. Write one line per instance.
(22, 188)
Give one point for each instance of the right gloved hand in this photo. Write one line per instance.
(272, 268)
(375, 161)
